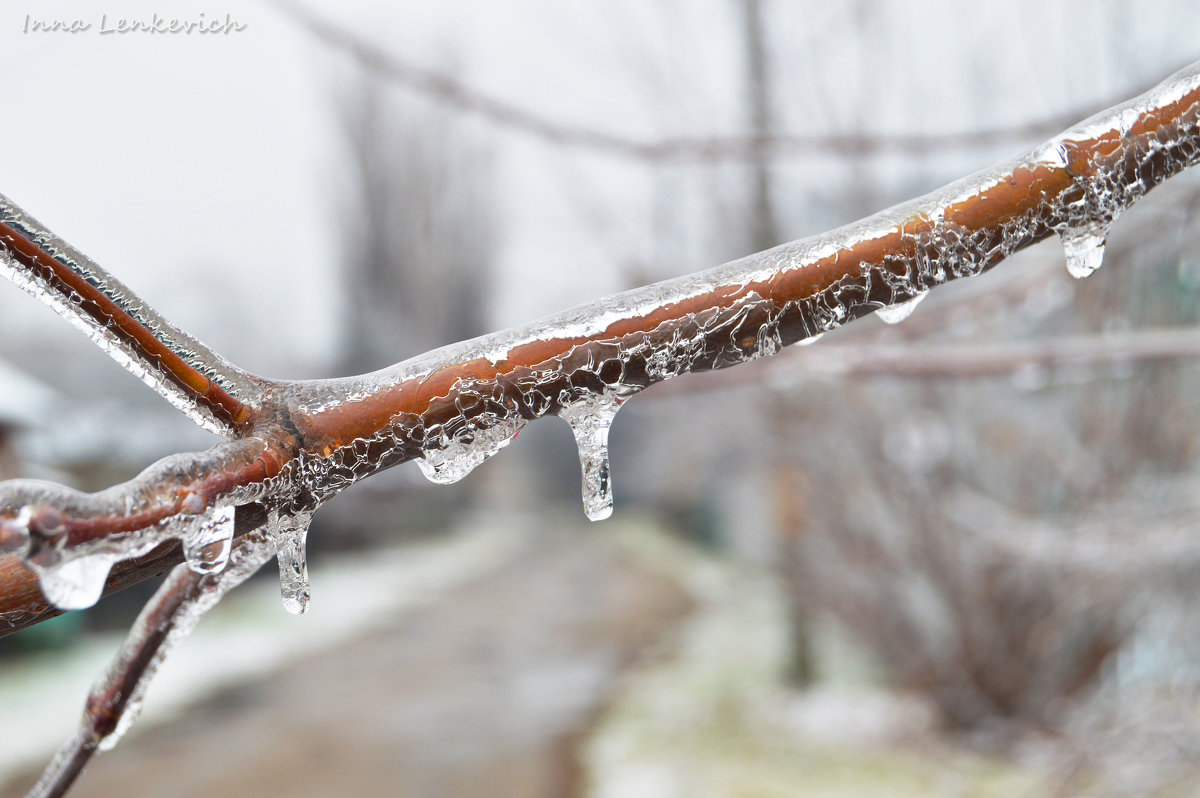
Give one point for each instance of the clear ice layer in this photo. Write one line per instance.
(206, 546)
(290, 534)
(75, 584)
(459, 455)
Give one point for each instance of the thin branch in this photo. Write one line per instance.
(452, 408)
(167, 618)
(969, 361)
(203, 385)
(455, 94)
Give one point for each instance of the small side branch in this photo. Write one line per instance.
(46, 527)
(166, 619)
(207, 388)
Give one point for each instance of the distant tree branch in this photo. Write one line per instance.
(454, 93)
(959, 361)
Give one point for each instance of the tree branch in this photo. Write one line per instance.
(204, 386)
(300, 443)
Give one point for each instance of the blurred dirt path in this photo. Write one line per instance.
(483, 694)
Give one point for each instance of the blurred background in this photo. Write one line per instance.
(923, 559)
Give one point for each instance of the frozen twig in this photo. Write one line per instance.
(168, 617)
(203, 385)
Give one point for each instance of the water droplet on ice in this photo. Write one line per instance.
(1084, 248)
(293, 571)
(894, 314)
(590, 420)
(74, 584)
(206, 545)
(810, 340)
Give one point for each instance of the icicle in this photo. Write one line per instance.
(1084, 248)
(206, 545)
(291, 535)
(812, 339)
(590, 419)
(457, 457)
(74, 584)
(894, 314)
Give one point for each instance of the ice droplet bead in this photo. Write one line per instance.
(74, 584)
(894, 314)
(459, 457)
(1084, 248)
(206, 546)
(293, 572)
(590, 420)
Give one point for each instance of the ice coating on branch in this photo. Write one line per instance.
(206, 545)
(459, 455)
(1084, 249)
(894, 314)
(812, 339)
(107, 332)
(291, 537)
(77, 583)
(70, 539)
(590, 419)
(476, 395)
